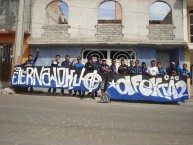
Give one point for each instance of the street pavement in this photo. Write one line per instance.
(50, 120)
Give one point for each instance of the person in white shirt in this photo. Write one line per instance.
(153, 70)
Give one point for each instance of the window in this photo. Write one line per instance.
(160, 13)
(191, 26)
(110, 12)
(57, 13)
(128, 55)
(5, 53)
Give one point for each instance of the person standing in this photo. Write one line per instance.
(123, 68)
(143, 68)
(113, 68)
(54, 63)
(90, 67)
(78, 66)
(97, 65)
(31, 63)
(153, 70)
(137, 68)
(161, 69)
(66, 64)
(104, 68)
(172, 69)
(185, 72)
(131, 68)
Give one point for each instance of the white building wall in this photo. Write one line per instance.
(83, 19)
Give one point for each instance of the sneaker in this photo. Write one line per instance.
(48, 94)
(73, 94)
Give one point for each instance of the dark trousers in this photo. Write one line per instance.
(54, 90)
(75, 91)
(26, 89)
(62, 91)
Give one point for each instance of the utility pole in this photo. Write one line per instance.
(19, 35)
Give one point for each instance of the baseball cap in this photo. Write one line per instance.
(89, 57)
(173, 63)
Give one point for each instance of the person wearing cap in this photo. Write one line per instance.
(90, 66)
(123, 68)
(66, 64)
(185, 72)
(103, 68)
(161, 69)
(78, 66)
(113, 68)
(171, 70)
(131, 67)
(153, 70)
(137, 68)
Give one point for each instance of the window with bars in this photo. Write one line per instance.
(191, 26)
(127, 55)
(5, 53)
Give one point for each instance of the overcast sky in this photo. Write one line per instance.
(158, 11)
(64, 8)
(107, 11)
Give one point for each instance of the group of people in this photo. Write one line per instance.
(102, 66)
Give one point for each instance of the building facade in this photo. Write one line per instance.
(77, 28)
(8, 25)
(188, 34)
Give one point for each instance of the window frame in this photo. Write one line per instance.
(190, 14)
(109, 60)
(67, 16)
(155, 22)
(113, 21)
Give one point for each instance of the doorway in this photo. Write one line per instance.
(5, 62)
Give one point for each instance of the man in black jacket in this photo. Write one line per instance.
(123, 68)
(90, 66)
(30, 63)
(54, 63)
(66, 64)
